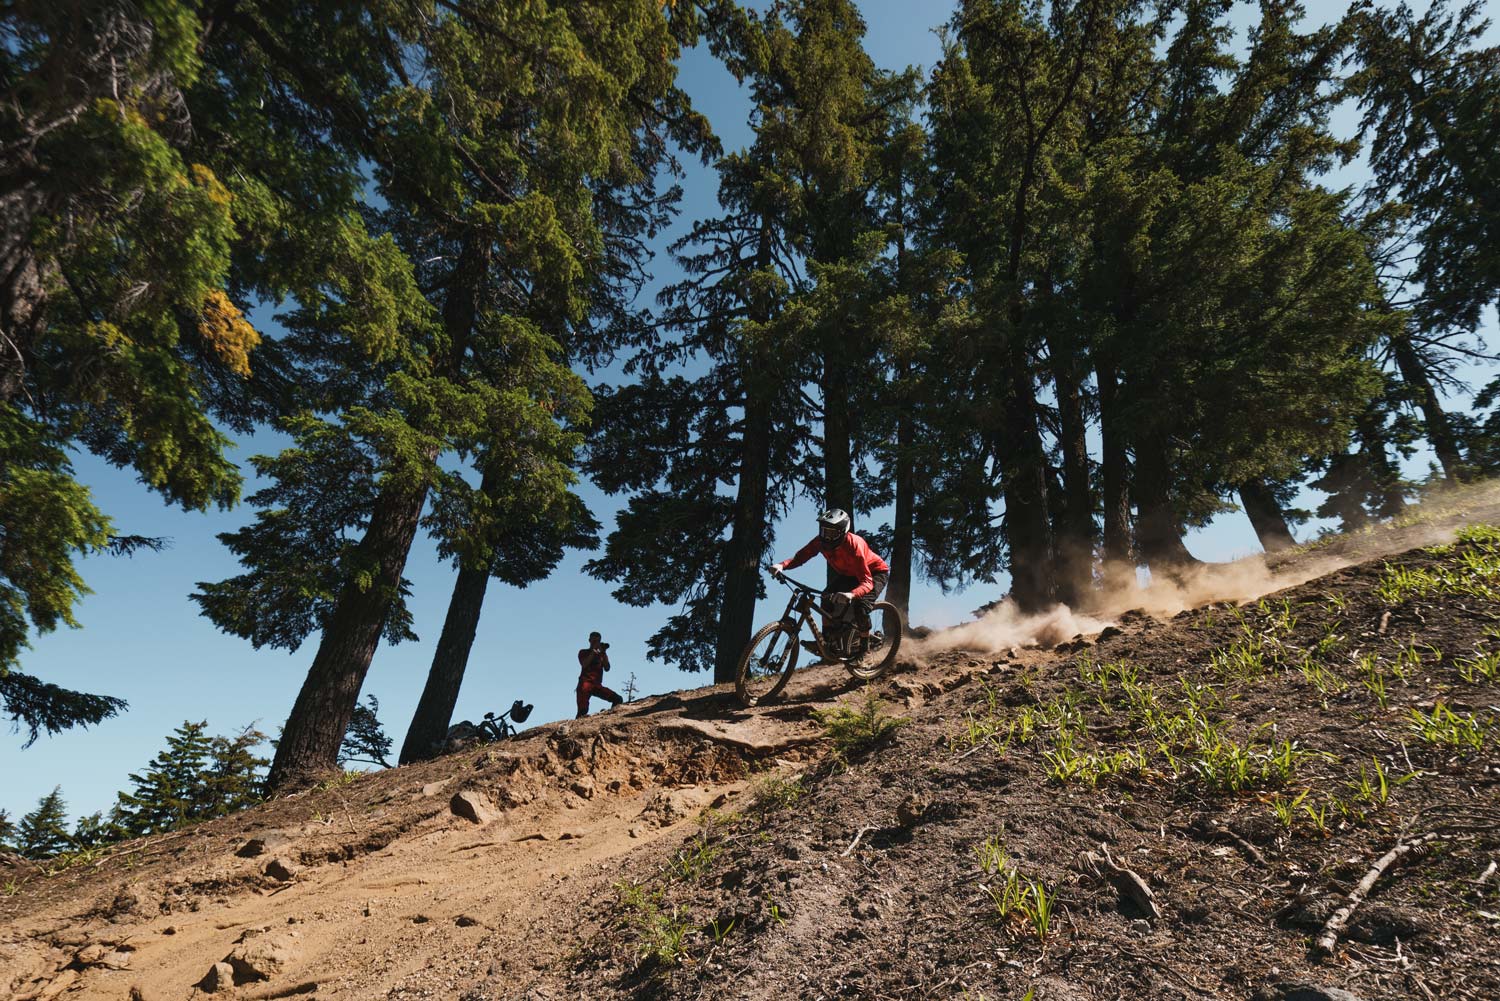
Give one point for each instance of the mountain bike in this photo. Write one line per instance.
(767, 663)
(489, 729)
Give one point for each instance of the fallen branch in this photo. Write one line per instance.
(1385, 622)
(1328, 941)
(1250, 850)
(1484, 877)
(855, 843)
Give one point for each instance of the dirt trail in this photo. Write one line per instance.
(388, 892)
(393, 894)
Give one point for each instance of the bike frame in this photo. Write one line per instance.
(498, 726)
(804, 602)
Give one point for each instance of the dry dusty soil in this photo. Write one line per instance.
(1290, 798)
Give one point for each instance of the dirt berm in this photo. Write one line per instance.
(1292, 798)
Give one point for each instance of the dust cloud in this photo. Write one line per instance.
(1003, 626)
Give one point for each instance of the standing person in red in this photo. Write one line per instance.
(860, 575)
(593, 661)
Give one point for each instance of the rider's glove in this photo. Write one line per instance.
(776, 570)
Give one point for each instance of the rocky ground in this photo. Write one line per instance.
(1297, 797)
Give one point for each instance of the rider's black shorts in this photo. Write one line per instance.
(865, 601)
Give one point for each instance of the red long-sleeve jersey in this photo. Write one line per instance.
(851, 557)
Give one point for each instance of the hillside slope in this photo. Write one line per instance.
(1246, 767)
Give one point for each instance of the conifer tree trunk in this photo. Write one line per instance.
(22, 294)
(313, 732)
(1028, 530)
(838, 461)
(1158, 531)
(1266, 516)
(898, 592)
(1075, 543)
(310, 740)
(1439, 428)
(747, 538)
(428, 732)
(1114, 477)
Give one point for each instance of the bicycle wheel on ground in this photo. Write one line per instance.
(766, 665)
(885, 640)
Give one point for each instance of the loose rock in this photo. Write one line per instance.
(263, 957)
(253, 848)
(282, 869)
(220, 977)
(472, 806)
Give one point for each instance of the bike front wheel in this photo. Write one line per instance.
(885, 641)
(766, 665)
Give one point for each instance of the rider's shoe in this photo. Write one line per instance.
(812, 648)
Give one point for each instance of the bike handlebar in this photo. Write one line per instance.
(794, 584)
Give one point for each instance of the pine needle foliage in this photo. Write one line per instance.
(43, 833)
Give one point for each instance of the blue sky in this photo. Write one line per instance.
(143, 640)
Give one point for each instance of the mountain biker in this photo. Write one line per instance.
(860, 575)
(593, 661)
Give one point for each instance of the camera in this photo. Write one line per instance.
(603, 646)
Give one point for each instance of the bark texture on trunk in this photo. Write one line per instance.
(1075, 539)
(1028, 530)
(903, 535)
(310, 740)
(898, 591)
(746, 540)
(838, 458)
(1266, 516)
(1114, 482)
(1439, 428)
(1158, 531)
(22, 290)
(428, 733)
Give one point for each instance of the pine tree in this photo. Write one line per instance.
(7, 831)
(366, 739)
(1267, 299)
(488, 167)
(792, 202)
(93, 831)
(1007, 104)
(163, 170)
(42, 833)
(171, 791)
(233, 779)
(1429, 93)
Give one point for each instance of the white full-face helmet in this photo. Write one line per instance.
(833, 525)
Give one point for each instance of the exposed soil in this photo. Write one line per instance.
(595, 871)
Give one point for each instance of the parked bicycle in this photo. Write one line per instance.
(767, 663)
(489, 729)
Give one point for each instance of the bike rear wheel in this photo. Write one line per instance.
(885, 618)
(766, 665)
